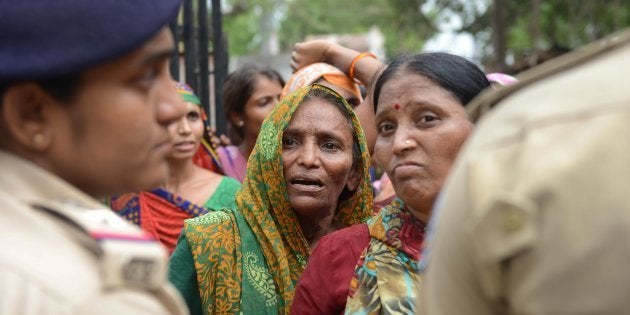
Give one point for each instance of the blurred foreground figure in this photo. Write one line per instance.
(85, 102)
(535, 218)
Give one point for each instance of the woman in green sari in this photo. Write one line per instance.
(306, 177)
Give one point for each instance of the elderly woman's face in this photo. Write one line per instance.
(363, 110)
(420, 129)
(317, 158)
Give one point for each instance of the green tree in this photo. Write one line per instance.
(524, 32)
(402, 22)
(532, 31)
(247, 23)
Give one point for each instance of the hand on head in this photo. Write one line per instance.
(310, 52)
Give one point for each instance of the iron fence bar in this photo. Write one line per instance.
(220, 65)
(204, 79)
(174, 64)
(190, 51)
(194, 35)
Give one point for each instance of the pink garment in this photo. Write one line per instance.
(385, 195)
(501, 78)
(233, 162)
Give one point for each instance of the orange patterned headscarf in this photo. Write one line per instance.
(311, 73)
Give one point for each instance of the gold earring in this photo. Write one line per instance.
(38, 138)
(38, 141)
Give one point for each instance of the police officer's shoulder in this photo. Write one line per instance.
(127, 256)
(482, 104)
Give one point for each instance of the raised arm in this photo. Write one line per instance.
(306, 53)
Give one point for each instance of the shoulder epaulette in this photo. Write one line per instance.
(127, 256)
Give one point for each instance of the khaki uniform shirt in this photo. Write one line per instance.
(535, 218)
(49, 263)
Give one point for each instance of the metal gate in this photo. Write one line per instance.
(203, 73)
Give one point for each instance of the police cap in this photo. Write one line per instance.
(44, 38)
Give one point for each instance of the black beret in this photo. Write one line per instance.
(45, 38)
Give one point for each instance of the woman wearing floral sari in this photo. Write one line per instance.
(306, 177)
(193, 187)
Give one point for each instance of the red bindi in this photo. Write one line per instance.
(396, 106)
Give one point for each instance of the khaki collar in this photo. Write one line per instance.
(32, 184)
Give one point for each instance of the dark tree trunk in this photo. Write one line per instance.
(499, 35)
(534, 31)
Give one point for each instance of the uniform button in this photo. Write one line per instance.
(513, 220)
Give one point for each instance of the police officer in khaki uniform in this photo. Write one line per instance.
(535, 218)
(85, 100)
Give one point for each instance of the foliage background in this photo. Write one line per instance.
(510, 35)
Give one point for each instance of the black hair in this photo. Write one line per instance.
(62, 88)
(4, 86)
(453, 73)
(238, 88)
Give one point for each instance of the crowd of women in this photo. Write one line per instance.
(284, 218)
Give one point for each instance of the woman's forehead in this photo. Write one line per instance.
(413, 89)
(319, 110)
(319, 114)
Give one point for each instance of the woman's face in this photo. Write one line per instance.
(113, 137)
(363, 110)
(420, 129)
(264, 98)
(317, 158)
(186, 132)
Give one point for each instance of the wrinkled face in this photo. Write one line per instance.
(112, 136)
(363, 110)
(265, 97)
(317, 158)
(187, 132)
(420, 129)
